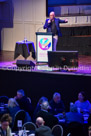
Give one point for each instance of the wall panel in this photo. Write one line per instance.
(29, 16)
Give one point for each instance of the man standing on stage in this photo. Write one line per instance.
(52, 25)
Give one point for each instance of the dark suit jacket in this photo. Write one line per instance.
(1, 132)
(8, 132)
(25, 105)
(57, 107)
(43, 131)
(49, 119)
(57, 22)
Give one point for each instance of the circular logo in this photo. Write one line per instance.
(44, 44)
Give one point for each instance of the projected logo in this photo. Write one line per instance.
(44, 44)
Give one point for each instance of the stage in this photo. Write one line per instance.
(84, 65)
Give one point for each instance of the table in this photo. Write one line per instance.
(20, 133)
(3, 110)
(24, 49)
(61, 118)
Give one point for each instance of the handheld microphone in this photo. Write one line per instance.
(49, 21)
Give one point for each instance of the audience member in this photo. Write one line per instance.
(4, 127)
(57, 105)
(74, 116)
(24, 102)
(38, 107)
(44, 114)
(82, 103)
(89, 131)
(13, 107)
(42, 130)
(50, 120)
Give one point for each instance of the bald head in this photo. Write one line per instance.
(40, 121)
(52, 15)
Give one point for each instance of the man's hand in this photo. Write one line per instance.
(66, 20)
(49, 21)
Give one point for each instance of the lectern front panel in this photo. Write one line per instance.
(44, 44)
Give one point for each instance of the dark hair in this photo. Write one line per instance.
(6, 117)
(84, 95)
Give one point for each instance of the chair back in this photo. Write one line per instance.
(29, 126)
(57, 130)
(29, 99)
(4, 99)
(20, 115)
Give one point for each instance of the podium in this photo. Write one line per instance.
(44, 42)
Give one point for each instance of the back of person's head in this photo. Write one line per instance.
(42, 99)
(12, 103)
(73, 108)
(6, 118)
(40, 122)
(45, 105)
(56, 97)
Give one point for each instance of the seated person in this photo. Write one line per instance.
(42, 130)
(73, 115)
(24, 102)
(89, 131)
(50, 120)
(4, 127)
(82, 103)
(57, 105)
(38, 107)
(13, 107)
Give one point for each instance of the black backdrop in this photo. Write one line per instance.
(42, 84)
(76, 31)
(75, 38)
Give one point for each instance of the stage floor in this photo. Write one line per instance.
(8, 63)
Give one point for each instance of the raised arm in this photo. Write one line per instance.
(63, 21)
